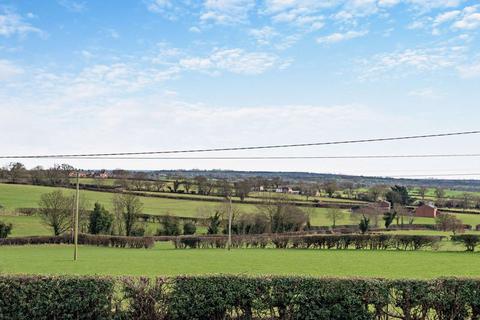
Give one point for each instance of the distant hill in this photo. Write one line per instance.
(470, 185)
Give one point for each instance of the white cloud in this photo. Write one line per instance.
(233, 60)
(339, 37)
(169, 9)
(425, 93)
(263, 35)
(402, 63)
(470, 19)
(195, 29)
(428, 5)
(226, 11)
(8, 70)
(303, 13)
(13, 24)
(446, 16)
(470, 71)
(73, 6)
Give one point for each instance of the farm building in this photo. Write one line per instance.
(383, 205)
(284, 189)
(427, 210)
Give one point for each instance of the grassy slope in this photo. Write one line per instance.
(165, 261)
(26, 226)
(16, 196)
(21, 196)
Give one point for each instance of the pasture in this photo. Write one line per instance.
(164, 260)
(27, 196)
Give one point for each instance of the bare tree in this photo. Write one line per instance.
(439, 193)
(242, 189)
(403, 215)
(334, 214)
(126, 207)
(330, 188)
(449, 222)
(16, 171)
(422, 191)
(158, 185)
(187, 185)
(55, 210)
(377, 191)
(466, 200)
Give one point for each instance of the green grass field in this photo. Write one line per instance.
(163, 260)
(27, 196)
(21, 196)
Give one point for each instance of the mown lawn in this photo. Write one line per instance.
(163, 260)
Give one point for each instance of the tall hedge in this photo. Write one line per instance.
(237, 297)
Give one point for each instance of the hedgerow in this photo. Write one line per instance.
(39, 297)
(86, 239)
(237, 297)
(344, 241)
(470, 241)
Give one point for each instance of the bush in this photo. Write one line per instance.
(86, 239)
(5, 229)
(38, 297)
(100, 220)
(170, 226)
(470, 241)
(189, 228)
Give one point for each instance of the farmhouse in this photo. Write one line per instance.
(426, 210)
(284, 189)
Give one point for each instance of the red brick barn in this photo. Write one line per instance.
(426, 210)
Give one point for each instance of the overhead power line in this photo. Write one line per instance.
(64, 156)
(464, 155)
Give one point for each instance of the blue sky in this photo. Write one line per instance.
(100, 76)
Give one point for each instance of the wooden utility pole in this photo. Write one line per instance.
(229, 243)
(75, 228)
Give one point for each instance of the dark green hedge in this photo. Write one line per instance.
(345, 241)
(86, 239)
(237, 297)
(470, 241)
(36, 297)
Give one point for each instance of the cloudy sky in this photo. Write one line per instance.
(109, 76)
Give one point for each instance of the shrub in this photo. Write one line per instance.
(38, 297)
(86, 239)
(170, 226)
(470, 241)
(5, 229)
(189, 228)
(364, 224)
(100, 220)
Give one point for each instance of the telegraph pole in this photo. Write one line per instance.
(75, 228)
(229, 243)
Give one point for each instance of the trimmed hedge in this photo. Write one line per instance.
(86, 239)
(344, 241)
(38, 297)
(237, 297)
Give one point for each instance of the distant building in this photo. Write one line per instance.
(73, 174)
(427, 210)
(383, 205)
(284, 189)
